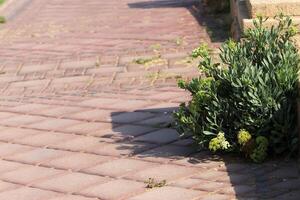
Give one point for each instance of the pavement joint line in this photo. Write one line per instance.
(44, 189)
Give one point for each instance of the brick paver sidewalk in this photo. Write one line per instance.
(81, 120)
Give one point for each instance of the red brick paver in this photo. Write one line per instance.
(80, 119)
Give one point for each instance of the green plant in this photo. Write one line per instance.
(142, 61)
(253, 88)
(2, 20)
(259, 153)
(151, 183)
(98, 61)
(179, 41)
(149, 61)
(155, 47)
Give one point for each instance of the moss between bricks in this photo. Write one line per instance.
(2, 18)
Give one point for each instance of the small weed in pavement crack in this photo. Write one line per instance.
(151, 183)
(2, 20)
(142, 61)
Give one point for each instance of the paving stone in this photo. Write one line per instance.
(99, 102)
(203, 159)
(5, 115)
(128, 117)
(128, 105)
(160, 121)
(185, 142)
(45, 139)
(29, 174)
(261, 172)
(238, 190)
(79, 143)
(210, 186)
(7, 186)
(3, 127)
(7, 149)
(166, 153)
(217, 197)
(26, 193)
(165, 95)
(120, 149)
(37, 156)
(287, 184)
(292, 195)
(60, 111)
(92, 115)
(87, 128)
(162, 107)
(234, 167)
(170, 193)
(285, 172)
(115, 189)
(189, 183)
(161, 136)
(71, 182)
(163, 172)
(6, 166)
(29, 108)
(119, 167)
(72, 197)
(127, 131)
(21, 120)
(13, 134)
(77, 161)
(53, 124)
(212, 175)
(236, 178)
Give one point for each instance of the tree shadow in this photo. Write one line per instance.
(217, 25)
(147, 134)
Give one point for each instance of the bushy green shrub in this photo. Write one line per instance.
(253, 90)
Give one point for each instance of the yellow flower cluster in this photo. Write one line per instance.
(218, 143)
(243, 137)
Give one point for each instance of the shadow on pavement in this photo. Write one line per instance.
(147, 134)
(217, 25)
